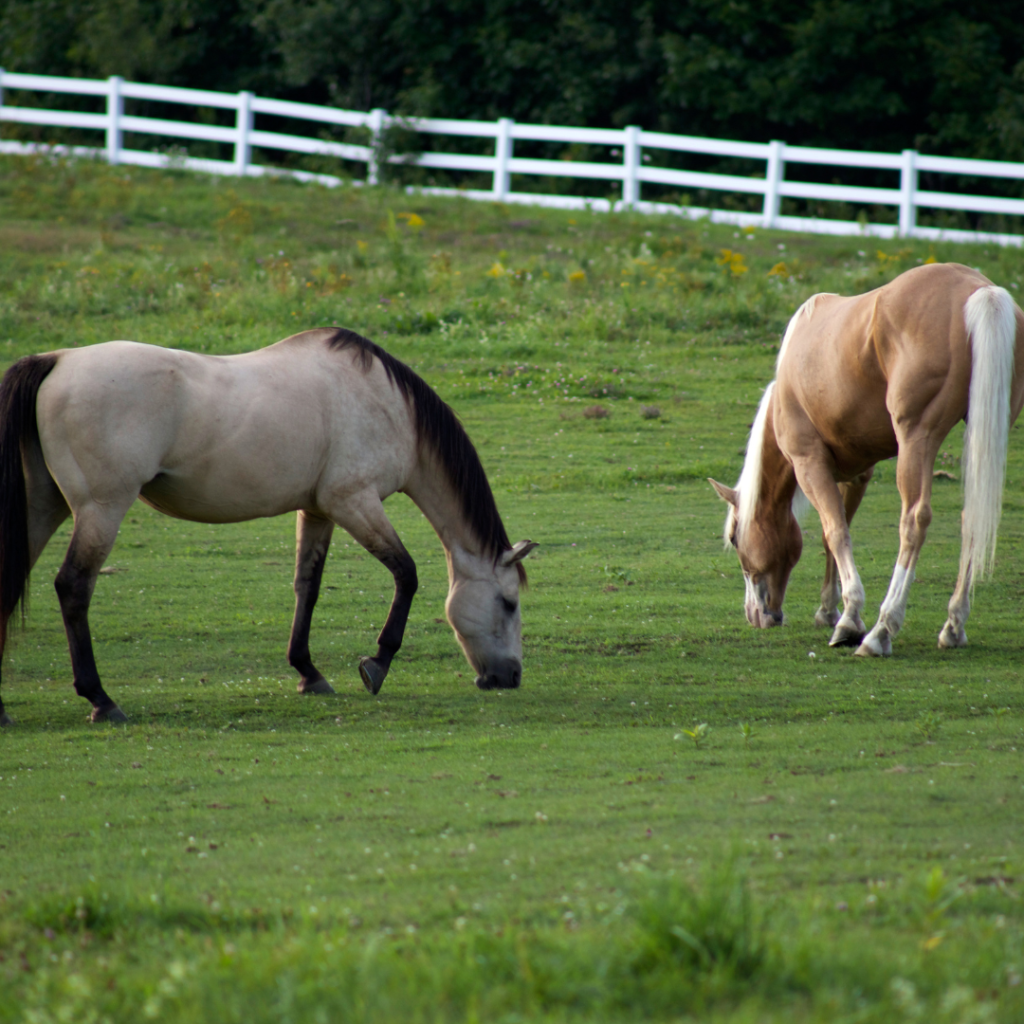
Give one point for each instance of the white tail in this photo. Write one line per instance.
(991, 327)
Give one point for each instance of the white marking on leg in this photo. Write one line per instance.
(890, 615)
(853, 598)
(894, 607)
(953, 633)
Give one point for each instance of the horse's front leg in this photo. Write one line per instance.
(312, 542)
(914, 480)
(852, 493)
(374, 670)
(91, 542)
(816, 480)
(364, 517)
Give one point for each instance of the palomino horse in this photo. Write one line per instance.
(859, 380)
(324, 423)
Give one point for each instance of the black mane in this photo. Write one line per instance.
(439, 428)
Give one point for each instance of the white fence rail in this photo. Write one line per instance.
(632, 144)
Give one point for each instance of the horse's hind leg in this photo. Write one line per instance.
(852, 493)
(953, 633)
(364, 518)
(312, 542)
(91, 541)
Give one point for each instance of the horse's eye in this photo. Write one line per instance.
(510, 606)
(732, 537)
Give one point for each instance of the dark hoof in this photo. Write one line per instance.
(853, 640)
(844, 637)
(110, 713)
(372, 674)
(319, 685)
(5, 719)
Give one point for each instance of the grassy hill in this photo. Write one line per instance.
(840, 842)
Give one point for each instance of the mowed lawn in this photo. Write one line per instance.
(676, 817)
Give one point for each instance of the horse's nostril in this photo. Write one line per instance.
(517, 675)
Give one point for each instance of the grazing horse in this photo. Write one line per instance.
(860, 379)
(324, 423)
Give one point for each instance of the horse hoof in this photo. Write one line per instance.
(111, 713)
(950, 638)
(844, 636)
(827, 620)
(319, 685)
(372, 674)
(5, 719)
(872, 647)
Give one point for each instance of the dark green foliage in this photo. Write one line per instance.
(862, 74)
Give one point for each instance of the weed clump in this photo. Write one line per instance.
(714, 928)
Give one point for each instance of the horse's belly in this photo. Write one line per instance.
(185, 498)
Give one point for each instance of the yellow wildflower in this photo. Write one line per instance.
(734, 262)
(414, 221)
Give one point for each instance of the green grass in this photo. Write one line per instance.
(566, 851)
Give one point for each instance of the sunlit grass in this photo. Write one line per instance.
(676, 816)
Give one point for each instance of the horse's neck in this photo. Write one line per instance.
(431, 492)
(778, 478)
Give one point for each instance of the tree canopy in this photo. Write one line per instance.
(936, 75)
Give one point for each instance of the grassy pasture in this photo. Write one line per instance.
(842, 844)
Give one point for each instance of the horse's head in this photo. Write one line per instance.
(768, 548)
(483, 609)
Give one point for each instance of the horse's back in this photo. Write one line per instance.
(217, 438)
(853, 365)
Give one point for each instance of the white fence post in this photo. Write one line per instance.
(243, 126)
(631, 166)
(502, 155)
(775, 171)
(115, 111)
(908, 193)
(375, 123)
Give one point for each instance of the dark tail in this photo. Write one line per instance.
(18, 429)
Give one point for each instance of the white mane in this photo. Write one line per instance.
(749, 484)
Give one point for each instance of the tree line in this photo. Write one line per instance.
(941, 76)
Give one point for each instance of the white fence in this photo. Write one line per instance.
(634, 144)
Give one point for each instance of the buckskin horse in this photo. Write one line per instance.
(861, 379)
(324, 423)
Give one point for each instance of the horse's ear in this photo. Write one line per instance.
(518, 552)
(726, 493)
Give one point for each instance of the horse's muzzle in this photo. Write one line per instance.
(505, 676)
(764, 618)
